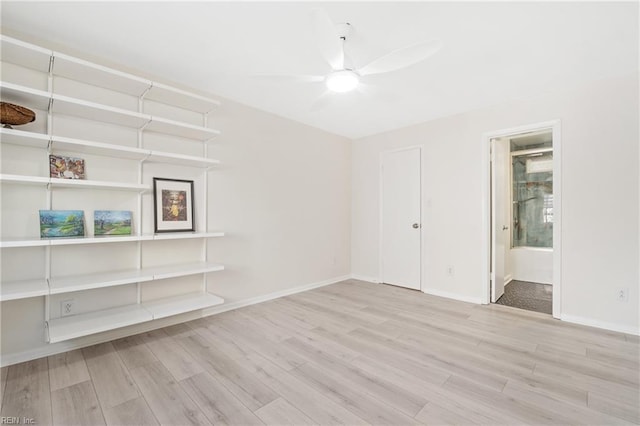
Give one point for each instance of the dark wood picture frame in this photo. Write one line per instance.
(173, 205)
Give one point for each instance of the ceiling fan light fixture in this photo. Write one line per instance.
(342, 81)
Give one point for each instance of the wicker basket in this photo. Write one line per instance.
(11, 114)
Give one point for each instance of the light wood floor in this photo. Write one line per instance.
(350, 353)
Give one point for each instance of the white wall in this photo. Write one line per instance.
(532, 264)
(282, 195)
(599, 190)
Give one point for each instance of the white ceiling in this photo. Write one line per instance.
(493, 52)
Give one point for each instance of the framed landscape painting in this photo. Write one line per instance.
(61, 223)
(111, 222)
(173, 202)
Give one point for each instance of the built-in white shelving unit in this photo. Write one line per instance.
(53, 65)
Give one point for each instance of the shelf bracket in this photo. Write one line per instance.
(142, 96)
(51, 63)
(146, 157)
(46, 331)
(144, 126)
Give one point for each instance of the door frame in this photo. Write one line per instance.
(485, 251)
(380, 210)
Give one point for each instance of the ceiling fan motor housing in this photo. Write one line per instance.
(344, 30)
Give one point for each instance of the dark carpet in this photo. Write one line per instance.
(527, 295)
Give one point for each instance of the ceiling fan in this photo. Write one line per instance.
(344, 77)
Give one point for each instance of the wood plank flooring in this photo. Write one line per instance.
(351, 353)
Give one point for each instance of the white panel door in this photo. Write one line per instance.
(400, 211)
(500, 214)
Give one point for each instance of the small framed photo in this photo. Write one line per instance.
(173, 202)
(66, 167)
(111, 222)
(61, 223)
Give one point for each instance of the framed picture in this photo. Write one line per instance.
(61, 223)
(173, 202)
(66, 167)
(111, 222)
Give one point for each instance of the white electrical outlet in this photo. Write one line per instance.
(450, 270)
(623, 294)
(67, 307)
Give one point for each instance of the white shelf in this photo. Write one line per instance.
(180, 159)
(172, 271)
(186, 235)
(96, 184)
(17, 243)
(25, 54)
(13, 290)
(71, 327)
(111, 279)
(73, 241)
(98, 112)
(72, 183)
(13, 243)
(177, 97)
(98, 75)
(74, 326)
(91, 281)
(60, 143)
(98, 240)
(167, 307)
(22, 138)
(177, 128)
(25, 180)
(24, 96)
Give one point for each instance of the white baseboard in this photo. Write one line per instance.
(264, 298)
(507, 279)
(53, 349)
(622, 328)
(454, 296)
(365, 278)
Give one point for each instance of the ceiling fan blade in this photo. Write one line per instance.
(327, 39)
(402, 58)
(301, 78)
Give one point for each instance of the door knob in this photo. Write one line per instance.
(416, 225)
(504, 227)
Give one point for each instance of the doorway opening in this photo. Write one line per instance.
(523, 223)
